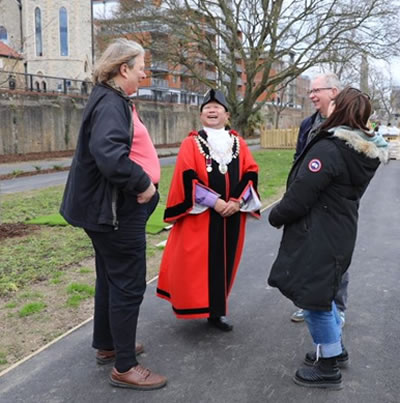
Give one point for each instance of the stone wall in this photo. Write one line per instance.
(37, 123)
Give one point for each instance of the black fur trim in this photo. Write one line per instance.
(190, 311)
(247, 177)
(174, 211)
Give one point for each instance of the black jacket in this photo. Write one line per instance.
(305, 128)
(101, 168)
(319, 212)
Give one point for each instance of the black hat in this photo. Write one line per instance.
(214, 95)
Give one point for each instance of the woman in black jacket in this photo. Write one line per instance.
(110, 193)
(319, 212)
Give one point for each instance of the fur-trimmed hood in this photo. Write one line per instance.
(371, 146)
(362, 154)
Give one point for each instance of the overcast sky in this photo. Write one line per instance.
(104, 8)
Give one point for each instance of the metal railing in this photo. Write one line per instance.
(43, 84)
(175, 97)
(159, 82)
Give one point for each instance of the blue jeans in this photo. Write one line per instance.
(325, 330)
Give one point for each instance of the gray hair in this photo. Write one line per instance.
(331, 80)
(117, 53)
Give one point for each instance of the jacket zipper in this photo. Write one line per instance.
(114, 198)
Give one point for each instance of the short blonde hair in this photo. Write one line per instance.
(117, 53)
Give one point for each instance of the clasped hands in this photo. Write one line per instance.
(226, 209)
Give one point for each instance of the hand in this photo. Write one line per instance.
(231, 208)
(147, 194)
(220, 206)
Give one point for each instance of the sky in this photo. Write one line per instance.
(105, 8)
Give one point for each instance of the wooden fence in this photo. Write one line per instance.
(278, 138)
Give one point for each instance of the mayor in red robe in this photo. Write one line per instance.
(213, 189)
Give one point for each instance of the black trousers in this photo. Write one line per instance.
(121, 280)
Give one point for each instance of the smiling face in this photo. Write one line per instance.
(214, 115)
(321, 95)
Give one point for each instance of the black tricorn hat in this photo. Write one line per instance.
(214, 95)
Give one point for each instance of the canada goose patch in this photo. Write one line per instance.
(315, 165)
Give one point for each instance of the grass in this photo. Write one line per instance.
(85, 270)
(31, 308)
(20, 207)
(3, 359)
(44, 254)
(38, 256)
(78, 292)
(17, 172)
(274, 167)
(44, 275)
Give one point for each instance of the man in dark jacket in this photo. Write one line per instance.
(322, 90)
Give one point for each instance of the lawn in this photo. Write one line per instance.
(47, 277)
(37, 256)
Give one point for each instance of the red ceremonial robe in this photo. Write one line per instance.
(203, 251)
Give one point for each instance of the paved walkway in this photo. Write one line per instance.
(38, 165)
(255, 362)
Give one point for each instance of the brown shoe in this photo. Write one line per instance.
(106, 356)
(137, 377)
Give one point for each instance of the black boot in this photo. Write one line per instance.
(220, 322)
(325, 373)
(342, 359)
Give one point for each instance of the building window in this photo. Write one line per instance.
(38, 32)
(3, 35)
(63, 31)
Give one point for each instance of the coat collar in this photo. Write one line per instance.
(372, 147)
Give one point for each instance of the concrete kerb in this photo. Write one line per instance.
(18, 363)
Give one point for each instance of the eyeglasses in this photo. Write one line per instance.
(318, 90)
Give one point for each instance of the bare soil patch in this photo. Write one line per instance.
(11, 230)
(31, 173)
(8, 158)
(22, 336)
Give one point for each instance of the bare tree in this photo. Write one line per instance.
(381, 89)
(199, 37)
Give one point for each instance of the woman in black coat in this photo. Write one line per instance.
(319, 212)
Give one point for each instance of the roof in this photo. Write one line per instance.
(6, 51)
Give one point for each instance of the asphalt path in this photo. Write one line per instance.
(41, 181)
(256, 362)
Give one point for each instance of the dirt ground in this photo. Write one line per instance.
(11, 230)
(20, 337)
(8, 158)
